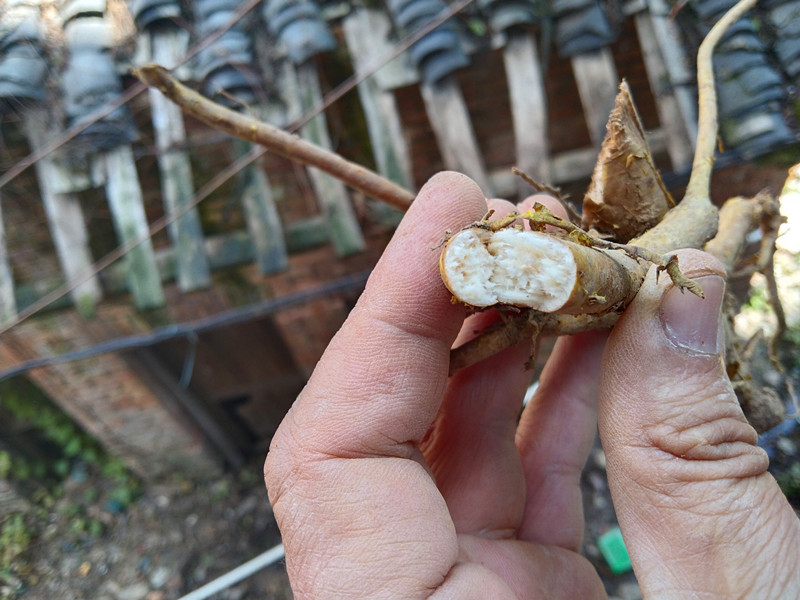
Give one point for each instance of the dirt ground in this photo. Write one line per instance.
(174, 538)
(178, 536)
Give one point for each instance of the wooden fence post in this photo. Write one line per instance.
(8, 303)
(124, 195)
(451, 124)
(597, 81)
(64, 216)
(186, 234)
(302, 92)
(364, 29)
(528, 108)
(669, 79)
(261, 215)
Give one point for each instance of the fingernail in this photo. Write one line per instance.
(692, 322)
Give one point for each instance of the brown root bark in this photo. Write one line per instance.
(737, 217)
(541, 271)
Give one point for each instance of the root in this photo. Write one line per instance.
(535, 270)
(690, 224)
(492, 262)
(528, 325)
(276, 140)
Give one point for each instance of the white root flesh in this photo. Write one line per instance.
(510, 266)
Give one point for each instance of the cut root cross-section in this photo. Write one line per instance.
(548, 273)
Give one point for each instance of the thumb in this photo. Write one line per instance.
(701, 515)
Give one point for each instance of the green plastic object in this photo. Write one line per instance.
(612, 547)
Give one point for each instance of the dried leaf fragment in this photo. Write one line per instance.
(626, 196)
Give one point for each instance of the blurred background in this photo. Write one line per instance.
(165, 289)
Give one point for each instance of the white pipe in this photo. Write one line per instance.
(238, 574)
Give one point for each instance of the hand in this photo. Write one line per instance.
(390, 481)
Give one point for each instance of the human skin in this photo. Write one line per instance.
(389, 480)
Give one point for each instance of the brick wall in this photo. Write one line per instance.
(106, 395)
(139, 420)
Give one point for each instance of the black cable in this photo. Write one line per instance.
(346, 284)
(189, 360)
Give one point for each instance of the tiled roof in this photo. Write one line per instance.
(756, 62)
(299, 26)
(23, 68)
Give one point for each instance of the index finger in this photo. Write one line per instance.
(353, 527)
(379, 384)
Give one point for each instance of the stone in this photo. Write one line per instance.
(786, 445)
(160, 576)
(136, 591)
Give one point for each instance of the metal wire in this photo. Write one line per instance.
(350, 283)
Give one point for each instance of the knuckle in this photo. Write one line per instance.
(706, 440)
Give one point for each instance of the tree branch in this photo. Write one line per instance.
(274, 139)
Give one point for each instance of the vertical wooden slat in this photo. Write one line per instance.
(64, 216)
(528, 107)
(186, 233)
(679, 66)
(8, 304)
(261, 215)
(451, 124)
(597, 81)
(124, 195)
(302, 91)
(362, 28)
(670, 81)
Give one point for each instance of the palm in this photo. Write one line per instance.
(512, 486)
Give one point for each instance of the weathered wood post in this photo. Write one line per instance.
(582, 35)
(525, 86)
(261, 214)
(366, 32)
(528, 107)
(124, 195)
(226, 70)
(90, 81)
(670, 80)
(8, 302)
(300, 30)
(167, 46)
(57, 186)
(437, 56)
(452, 126)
